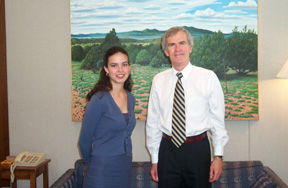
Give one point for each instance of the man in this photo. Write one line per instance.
(185, 160)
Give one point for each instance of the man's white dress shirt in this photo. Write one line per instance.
(204, 107)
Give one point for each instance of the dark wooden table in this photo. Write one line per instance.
(26, 173)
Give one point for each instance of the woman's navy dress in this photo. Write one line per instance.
(105, 142)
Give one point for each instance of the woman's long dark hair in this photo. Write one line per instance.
(104, 83)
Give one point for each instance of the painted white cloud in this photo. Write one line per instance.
(110, 5)
(152, 7)
(235, 12)
(133, 11)
(160, 14)
(184, 15)
(177, 2)
(210, 13)
(249, 4)
(205, 13)
(152, 18)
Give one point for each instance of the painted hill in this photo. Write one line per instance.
(144, 34)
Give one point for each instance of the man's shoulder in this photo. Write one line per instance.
(202, 71)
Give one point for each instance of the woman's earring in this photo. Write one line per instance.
(107, 74)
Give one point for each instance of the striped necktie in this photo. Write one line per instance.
(178, 114)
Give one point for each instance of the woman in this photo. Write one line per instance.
(109, 120)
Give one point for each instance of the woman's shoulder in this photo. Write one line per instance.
(130, 95)
(99, 95)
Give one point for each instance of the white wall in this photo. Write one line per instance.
(39, 78)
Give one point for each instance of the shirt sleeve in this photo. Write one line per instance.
(91, 118)
(153, 133)
(217, 114)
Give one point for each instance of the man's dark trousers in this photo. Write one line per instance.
(185, 167)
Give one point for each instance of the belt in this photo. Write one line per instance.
(190, 139)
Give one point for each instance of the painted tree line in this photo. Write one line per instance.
(237, 52)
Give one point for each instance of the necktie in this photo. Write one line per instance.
(178, 114)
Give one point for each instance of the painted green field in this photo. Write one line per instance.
(241, 93)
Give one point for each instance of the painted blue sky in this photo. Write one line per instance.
(90, 16)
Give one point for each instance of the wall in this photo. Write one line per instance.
(39, 76)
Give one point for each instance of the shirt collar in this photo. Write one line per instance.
(185, 72)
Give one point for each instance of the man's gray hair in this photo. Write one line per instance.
(172, 31)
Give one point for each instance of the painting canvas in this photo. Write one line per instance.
(225, 41)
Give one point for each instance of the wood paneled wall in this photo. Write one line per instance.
(4, 127)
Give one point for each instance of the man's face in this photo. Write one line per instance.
(178, 50)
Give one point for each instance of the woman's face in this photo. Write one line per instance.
(118, 68)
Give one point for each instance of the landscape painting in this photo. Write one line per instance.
(225, 41)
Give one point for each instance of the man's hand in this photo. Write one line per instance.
(154, 173)
(215, 169)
